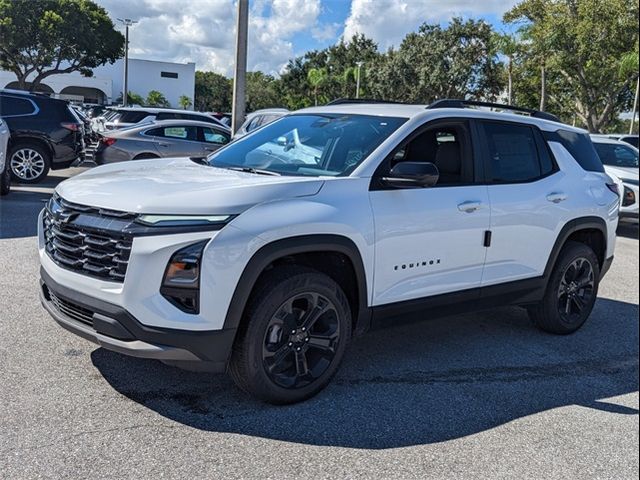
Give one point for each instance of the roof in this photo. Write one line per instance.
(410, 111)
(168, 123)
(599, 138)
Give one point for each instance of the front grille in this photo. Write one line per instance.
(71, 310)
(88, 240)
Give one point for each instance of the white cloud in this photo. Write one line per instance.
(203, 31)
(388, 21)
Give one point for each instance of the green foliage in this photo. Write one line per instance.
(134, 99)
(213, 92)
(457, 61)
(586, 48)
(185, 101)
(157, 99)
(47, 37)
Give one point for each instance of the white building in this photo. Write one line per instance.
(172, 79)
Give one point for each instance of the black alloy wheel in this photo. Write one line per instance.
(301, 340)
(576, 290)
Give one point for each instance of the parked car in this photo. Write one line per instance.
(45, 134)
(620, 160)
(129, 116)
(5, 171)
(627, 138)
(259, 118)
(168, 138)
(268, 266)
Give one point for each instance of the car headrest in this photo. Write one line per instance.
(448, 158)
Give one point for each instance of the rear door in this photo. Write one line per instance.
(177, 140)
(528, 200)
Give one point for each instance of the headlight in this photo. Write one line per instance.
(182, 220)
(181, 282)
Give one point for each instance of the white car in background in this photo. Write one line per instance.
(620, 161)
(258, 119)
(5, 171)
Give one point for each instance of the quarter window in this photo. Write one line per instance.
(513, 153)
(12, 106)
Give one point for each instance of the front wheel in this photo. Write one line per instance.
(571, 292)
(293, 337)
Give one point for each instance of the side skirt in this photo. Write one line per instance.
(521, 292)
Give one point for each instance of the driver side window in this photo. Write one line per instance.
(447, 146)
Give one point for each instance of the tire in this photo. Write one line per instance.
(273, 347)
(5, 181)
(571, 292)
(29, 163)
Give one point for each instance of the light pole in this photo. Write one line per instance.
(359, 64)
(240, 73)
(635, 107)
(127, 22)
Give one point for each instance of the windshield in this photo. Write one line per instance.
(308, 145)
(617, 155)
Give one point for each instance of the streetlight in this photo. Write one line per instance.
(240, 68)
(127, 22)
(359, 65)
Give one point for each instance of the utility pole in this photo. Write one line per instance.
(240, 74)
(359, 65)
(125, 90)
(635, 107)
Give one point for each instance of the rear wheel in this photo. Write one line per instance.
(294, 335)
(29, 163)
(571, 292)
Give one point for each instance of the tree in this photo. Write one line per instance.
(213, 92)
(157, 99)
(316, 77)
(49, 37)
(262, 91)
(185, 102)
(456, 61)
(509, 46)
(585, 45)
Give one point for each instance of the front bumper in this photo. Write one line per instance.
(115, 329)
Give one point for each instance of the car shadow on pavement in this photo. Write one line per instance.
(19, 210)
(414, 384)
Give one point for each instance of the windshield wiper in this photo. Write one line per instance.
(256, 171)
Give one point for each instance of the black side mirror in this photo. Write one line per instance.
(412, 174)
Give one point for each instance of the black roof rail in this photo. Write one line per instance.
(346, 101)
(453, 103)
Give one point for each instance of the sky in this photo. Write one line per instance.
(203, 31)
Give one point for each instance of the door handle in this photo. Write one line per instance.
(163, 144)
(469, 207)
(557, 197)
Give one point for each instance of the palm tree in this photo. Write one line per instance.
(317, 77)
(509, 46)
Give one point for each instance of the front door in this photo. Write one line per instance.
(431, 240)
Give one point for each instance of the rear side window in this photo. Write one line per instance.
(168, 116)
(513, 153)
(617, 155)
(14, 106)
(132, 117)
(579, 146)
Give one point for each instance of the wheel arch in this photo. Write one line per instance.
(301, 247)
(591, 231)
(19, 139)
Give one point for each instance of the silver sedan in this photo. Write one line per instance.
(169, 138)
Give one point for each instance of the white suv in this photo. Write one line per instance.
(266, 262)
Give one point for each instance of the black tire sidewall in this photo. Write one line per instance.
(553, 319)
(45, 155)
(259, 315)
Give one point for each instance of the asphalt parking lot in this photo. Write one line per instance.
(474, 396)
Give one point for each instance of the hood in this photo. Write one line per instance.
(179, 186)
(622, 173)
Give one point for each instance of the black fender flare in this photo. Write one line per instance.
(275, 250)
(571, 227)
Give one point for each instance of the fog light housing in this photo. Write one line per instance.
(181, 281)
